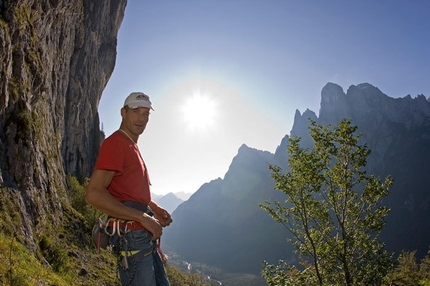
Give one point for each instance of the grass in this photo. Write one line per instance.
(20, 267)
(72, 267)
(65, 254)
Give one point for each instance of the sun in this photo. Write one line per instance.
(199, 111)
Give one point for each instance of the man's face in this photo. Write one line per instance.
(135, 120)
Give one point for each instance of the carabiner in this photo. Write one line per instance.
(113, 226)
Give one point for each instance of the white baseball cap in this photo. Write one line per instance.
(138, 99)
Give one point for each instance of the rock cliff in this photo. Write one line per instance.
(56, 58)
(385, 122)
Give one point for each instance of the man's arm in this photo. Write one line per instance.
(99, 197)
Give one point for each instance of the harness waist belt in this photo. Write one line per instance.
(124, 225)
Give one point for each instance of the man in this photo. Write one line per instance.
(120, 187)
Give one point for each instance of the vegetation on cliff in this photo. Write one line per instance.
(67, 255)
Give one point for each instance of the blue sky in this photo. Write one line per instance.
(250, 65)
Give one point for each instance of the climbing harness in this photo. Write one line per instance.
(111, 234)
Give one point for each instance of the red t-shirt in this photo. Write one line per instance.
(120, 154)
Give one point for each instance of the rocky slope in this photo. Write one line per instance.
(56, 58)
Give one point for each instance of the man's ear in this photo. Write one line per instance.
(123, 112)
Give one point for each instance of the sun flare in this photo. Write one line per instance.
(199, 111)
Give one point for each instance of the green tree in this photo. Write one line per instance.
(332, 209)
(408, 272)
(76, 193)
(425, 270)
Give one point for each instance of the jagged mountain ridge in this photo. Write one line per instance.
(222, 225)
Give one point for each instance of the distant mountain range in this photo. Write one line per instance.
(222, 225)
(171, 201)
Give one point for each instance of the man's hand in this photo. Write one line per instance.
(161, 214)
(152, 225)
(164, 217)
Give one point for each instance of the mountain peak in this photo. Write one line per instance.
(301, 122)
(170, 201)
(246, 154)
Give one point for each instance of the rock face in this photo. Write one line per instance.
(56, 58)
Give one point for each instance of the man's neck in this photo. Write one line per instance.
(128, 135)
